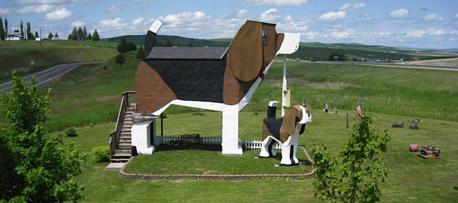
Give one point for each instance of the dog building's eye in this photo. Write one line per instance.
(264, 37)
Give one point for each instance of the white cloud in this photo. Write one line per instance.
(270, 15)
(332, 16)
(349, 7)
(399, 13)
(432, 17)
(366, 16)
(185, 18)
(43, 8)
(117, 23)
(114, 9)
(138, 21)
(78, 24)
(4, 12)
(44, 1)
(456, 15)
(338, 34)
(241, 13)
(58, 14)
(416, 33)
(438, 32)
(278, 2)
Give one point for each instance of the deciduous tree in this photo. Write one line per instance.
(353, 176)
(44, 166)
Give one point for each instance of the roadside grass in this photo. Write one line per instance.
(90, 94)
(18, 55)
(410, 178)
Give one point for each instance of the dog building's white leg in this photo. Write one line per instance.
(230, 134)
(267, 148)
(294, 143)
(286, 152)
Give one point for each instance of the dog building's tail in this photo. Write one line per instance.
(151, 36)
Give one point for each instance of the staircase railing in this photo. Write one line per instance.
(126, 100)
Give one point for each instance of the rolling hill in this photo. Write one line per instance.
(313, 50)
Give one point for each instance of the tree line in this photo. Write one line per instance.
(24, 35)
(82, 34)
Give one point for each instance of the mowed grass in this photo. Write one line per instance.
(199, 161)
(410, 178)
(91, 94)
(18, 55)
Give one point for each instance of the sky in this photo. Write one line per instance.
(399, 23)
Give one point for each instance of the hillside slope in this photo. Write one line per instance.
(28, 57)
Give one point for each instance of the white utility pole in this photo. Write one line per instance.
(284, 88)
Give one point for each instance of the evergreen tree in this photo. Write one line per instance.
(140, 53)
(119, 59)
(95, 36)
(56, 36)
(80, 34)
(6, 28)
(168, 43)
(2, 30)
(132, 47)
(84, 33)
(89, 37)
(50, 36)
(22, 30)
(36, 35)
(29, 32)
(123, 46)
(75, 33)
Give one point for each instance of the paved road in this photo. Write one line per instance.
(393, 65)
(48, 75)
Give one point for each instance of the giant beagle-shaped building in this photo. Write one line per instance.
(213, 78)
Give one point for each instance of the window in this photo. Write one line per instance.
(264, 37)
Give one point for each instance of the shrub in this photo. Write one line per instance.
(102, 153)
(71, 132)
(354, 175)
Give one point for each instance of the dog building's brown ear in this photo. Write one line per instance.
(245, 53)
(290, 120)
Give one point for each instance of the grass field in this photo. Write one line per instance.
(18, 55)
(91, 94)
(410, 178)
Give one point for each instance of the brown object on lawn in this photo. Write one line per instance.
(398, 125)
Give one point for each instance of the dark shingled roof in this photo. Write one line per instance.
(187, 53)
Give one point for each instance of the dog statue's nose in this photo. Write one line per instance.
(290, 43)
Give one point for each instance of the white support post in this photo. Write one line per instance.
(230, 134)
(284, 88)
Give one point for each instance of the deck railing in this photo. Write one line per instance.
(127, 99)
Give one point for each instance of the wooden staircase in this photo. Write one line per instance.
(120, 138)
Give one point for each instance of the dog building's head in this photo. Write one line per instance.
(255, 46)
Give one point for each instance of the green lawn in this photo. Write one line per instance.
(18, 55)
(409, 177)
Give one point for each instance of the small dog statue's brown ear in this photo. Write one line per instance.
(245, 53)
